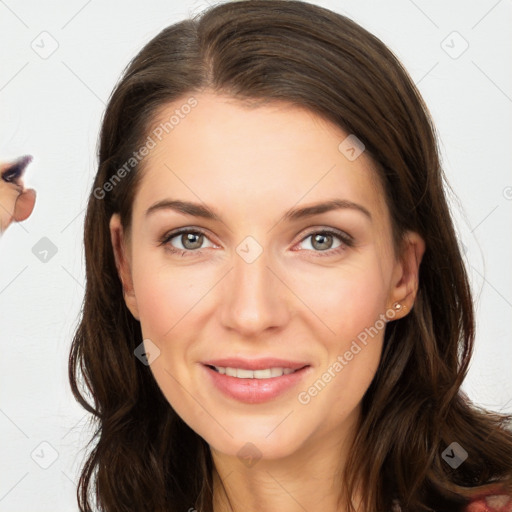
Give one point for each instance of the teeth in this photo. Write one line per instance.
(244, 374)
(256, 374)
(231, 372)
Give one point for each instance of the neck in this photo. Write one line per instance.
(308, 479)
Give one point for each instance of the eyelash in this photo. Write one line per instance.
(346, 241)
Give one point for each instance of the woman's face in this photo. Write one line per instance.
(252, 280)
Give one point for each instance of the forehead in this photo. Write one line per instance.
(274, 155)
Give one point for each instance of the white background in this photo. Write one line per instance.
(51, 108)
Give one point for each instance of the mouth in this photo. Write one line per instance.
(255, 381)
(14, 172)
(243, 373)
(233, 366)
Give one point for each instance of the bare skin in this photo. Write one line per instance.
(298, 300)
(16, 201)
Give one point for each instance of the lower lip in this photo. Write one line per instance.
(255, 391)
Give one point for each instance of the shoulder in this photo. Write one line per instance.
(494, 501)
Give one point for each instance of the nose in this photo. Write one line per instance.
(254, 298)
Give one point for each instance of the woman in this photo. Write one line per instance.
(277, 314)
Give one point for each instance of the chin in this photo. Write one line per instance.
(268, 438)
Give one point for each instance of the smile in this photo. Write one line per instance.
(255, 386)
(242, 373)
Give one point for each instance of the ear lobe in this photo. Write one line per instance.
(123, 263)
(407, 272)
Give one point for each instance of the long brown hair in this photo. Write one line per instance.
(144, 456)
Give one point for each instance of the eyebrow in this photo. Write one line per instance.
(201, 210)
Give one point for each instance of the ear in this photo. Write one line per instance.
(120, 244)
(404, 285)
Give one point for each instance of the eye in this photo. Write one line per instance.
(328, 241)
(185, 241)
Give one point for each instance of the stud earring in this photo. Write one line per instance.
(397, 306)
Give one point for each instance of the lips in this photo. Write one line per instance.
(255, 364)
(248, 380)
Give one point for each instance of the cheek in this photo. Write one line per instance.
(351, 302)
(168, 300)
(166, 295)
(346, 299)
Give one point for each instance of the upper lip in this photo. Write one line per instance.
(255, 364)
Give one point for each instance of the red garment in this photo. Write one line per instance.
(495, 501)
